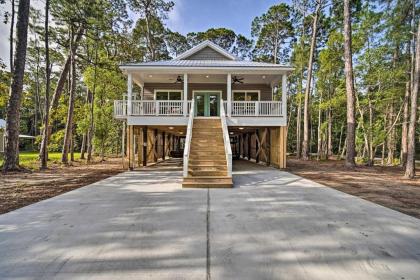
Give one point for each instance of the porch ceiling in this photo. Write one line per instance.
(149, 77)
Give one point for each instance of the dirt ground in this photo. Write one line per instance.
(24, 188)
(383, 185)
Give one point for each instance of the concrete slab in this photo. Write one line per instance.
(276, 225)
(136, 225)
(272, 225)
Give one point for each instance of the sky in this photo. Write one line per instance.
(187, 16)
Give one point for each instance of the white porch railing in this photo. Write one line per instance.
(176, 108)
(226, 139)
(188, 138)
(256, 108)
(120, 108)
(151, 108)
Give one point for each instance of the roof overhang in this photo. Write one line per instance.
(208, 69)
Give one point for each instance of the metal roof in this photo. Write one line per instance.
(206, 63)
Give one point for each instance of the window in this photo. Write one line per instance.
(168, 95)
(246, 95)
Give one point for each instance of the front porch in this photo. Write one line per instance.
(247, 99)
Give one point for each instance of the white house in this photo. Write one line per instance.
(212, 103)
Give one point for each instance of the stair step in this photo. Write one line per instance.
(206, 162)
(207, 182)
(208, 153)
(207, 167)
(209, 173)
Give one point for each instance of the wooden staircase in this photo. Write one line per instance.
(207, 166)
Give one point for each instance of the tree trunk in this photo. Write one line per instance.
(92, 106)
(390, 142)
(11, 152)
(319, 149)
(404, 128)
(11, 36)
(64, 73)
(305, 144)
(69, 122)
(43, 153)
(83, 146)
(410, 169)
(329, 144)
(348, 69)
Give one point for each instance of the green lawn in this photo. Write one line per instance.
(30, 159)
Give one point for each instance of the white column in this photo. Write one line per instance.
(185, 94)
(129, 93)
(284, 95)
(229, 94)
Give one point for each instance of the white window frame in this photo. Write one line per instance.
(246, 92)
(168, 91)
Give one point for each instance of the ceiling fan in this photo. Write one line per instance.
(179, 80)
(237, 80)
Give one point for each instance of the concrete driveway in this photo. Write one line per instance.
(273, 225)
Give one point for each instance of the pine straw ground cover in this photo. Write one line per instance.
(383, 185)
(23, 188)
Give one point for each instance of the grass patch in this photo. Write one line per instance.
(31, 159)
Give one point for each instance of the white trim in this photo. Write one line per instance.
(129, 92)
(185, 93)
(246, 91)
(168, 90)
(229, 94)
(209, 69)
(203, 45)
(203, 90)
(284, 95)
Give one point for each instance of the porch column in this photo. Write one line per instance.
(284, 96)
(229, 94)
(185, 95)
(129, 93)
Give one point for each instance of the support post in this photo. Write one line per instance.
(268, 146)
(229, 94)
(185, 109)
(257, 138)
(145, 146)
(130, 147)
(129, 93)
(155, 148)
(163, 145)
(284, 97)
(249, 146)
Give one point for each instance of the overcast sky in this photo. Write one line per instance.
(187, 16)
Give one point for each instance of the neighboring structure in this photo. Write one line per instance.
(3, 135)
(205, 101)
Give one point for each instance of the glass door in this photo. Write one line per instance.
(207, 104)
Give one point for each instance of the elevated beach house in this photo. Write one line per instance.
(206, 106)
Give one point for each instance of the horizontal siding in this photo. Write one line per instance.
(265, 90)
(206, 54)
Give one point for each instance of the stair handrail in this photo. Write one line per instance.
(188, 138)
(226, 139)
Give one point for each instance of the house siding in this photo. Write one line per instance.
(206, 53)
(149, 88)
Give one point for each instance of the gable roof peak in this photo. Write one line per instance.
(204, 44)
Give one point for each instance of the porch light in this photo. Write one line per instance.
(231, 132)
(207, 76)
(150, 76)
(263, 77)
(181, 132)
(171, 127)
(241, 128)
